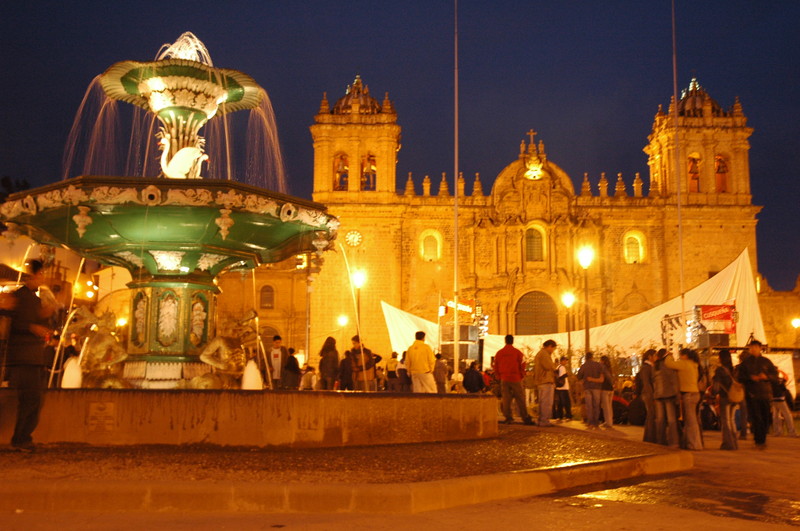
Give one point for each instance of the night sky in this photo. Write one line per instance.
(587, 76)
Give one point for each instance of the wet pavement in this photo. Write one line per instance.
(748, 484)
(746, 489)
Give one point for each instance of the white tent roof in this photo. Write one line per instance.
(734, 284)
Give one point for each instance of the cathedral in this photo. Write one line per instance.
(517, 241)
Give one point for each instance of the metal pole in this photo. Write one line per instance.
(569, 332)
(455, 202)
(586, 306)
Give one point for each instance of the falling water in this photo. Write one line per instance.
(109, 140)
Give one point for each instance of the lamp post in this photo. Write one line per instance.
(585, 259)
(568, 299)
(359, 278)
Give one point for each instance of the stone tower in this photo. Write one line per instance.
(712, 159)
(355, 145)
(712, 168)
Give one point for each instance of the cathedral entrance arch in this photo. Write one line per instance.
(536, 314)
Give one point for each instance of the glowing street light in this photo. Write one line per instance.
(359, 279)
(568, 299)
(342, 321)
(796, 323)
(585, 259)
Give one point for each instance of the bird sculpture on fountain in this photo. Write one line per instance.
(185, 164)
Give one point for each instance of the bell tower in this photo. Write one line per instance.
(355, 147)
(712, 164)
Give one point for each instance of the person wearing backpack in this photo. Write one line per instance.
(723, 385)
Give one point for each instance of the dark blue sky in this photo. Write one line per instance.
(588, 76)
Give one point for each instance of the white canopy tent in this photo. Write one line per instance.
(734, 284)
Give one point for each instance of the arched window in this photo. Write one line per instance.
(369, 172)
(430, 245)
(536, 314)
(267, 298)
(341, 172)
(694, 172)
(721, 174)
(633, 247)
(534, 245)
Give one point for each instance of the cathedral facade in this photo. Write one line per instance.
(517, 241)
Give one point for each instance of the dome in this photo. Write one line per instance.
(694, 98)
(357, 100)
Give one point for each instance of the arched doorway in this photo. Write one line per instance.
(536, 314)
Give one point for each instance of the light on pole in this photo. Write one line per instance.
(359, 279)
(796, 326)
(585, 259)
(568, 299)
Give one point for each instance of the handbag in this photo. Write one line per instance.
(735, 390)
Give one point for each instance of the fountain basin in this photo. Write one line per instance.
(254, 418)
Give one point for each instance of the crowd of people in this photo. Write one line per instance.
(674, 394)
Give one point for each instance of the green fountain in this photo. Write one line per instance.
(175, 232)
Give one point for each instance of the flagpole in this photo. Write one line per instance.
(678, 166)
(455, 201)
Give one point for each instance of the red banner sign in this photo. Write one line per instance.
(717, 312)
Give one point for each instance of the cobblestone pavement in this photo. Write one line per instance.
(517, 448)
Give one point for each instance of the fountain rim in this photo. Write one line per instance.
(173, 183)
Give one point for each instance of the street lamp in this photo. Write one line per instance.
(585, 259)
(796, 325)
(568, 299)
(359, 278)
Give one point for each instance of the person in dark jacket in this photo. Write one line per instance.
(328, 365)
(723, 378)
(26, 352)
(346, 373)
(756, 374)
(473, 379)
(291, 372)
(592, 374)
(645, 390)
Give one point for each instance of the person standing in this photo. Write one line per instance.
(563, 400)
(646, 391)
(402, 374)
(509, 366)
(290, 378)
(544, 374)
(723, 379)
(420, 363)
(592, 374)
(666, 390)
(607, 394)
(328, 365)
(756, 373)
(364, 362)
(440, 374)
(346, 373)
(392, 379)
(473, 379)
(26, 352)
(781, 414)
(688, 368)
(277, 361)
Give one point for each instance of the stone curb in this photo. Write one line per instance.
(181, 496)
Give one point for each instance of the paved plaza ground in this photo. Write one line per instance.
(746, 489)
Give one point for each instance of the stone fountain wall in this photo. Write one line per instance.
(253, 418)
